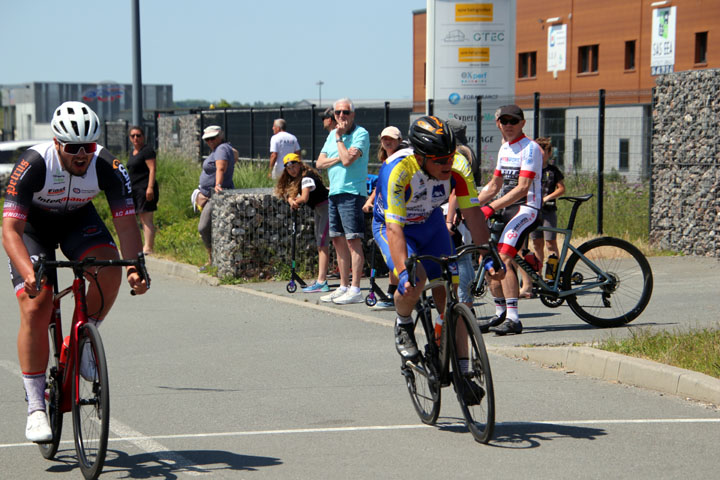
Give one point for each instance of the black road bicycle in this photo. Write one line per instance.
(438, 364)
(607, 282)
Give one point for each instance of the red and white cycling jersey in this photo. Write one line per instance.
(38, 182)
(521, 158)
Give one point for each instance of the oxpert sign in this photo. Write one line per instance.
(471, 52)
(662, 41)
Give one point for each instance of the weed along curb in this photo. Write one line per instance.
(614, 367)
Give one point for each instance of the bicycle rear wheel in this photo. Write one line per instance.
(422, 378)
(624, 298)
(91, 413)
(52, 401)
(474, 389)
(483, 303)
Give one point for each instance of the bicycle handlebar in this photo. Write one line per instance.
(78, 266)
(412, 261)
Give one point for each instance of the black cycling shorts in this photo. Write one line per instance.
(76, 233)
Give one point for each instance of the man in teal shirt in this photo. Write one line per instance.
(345, 155)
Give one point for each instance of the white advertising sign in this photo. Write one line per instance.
(556, 48)
(471, 52)
(662, 41)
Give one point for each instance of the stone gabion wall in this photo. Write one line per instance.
(685, 208)
(180, 135)
(252, 233)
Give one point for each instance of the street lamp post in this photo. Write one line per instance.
(320, 83)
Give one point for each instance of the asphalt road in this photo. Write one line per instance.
(253, 382)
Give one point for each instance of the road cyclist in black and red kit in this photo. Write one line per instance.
(48, 203)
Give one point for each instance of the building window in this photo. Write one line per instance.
(527, 64)
(630, 55)
(701, 48)
(577, 154)
(624, 157)
(588, 59)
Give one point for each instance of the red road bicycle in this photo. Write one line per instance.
(77, 380)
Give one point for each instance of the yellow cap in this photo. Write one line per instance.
(291, 157)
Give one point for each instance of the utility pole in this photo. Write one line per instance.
(137, 114)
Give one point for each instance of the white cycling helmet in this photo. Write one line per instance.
(75, 122)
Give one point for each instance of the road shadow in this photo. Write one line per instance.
(521, 435)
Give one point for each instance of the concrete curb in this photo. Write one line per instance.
(614, 367)
(608, 366)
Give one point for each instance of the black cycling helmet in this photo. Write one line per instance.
(431, 137)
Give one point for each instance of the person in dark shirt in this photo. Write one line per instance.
(552, 188)
(142, 169)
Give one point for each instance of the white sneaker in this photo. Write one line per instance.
(87, 364)
(38, 428)
(349, 297)
(333, 295)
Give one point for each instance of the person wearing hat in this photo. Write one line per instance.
(517, 180)
(216, 175)
(281, 143)
(390, 142)
(299, 185)
(328, 118)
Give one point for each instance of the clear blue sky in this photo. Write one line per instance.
(239, 50)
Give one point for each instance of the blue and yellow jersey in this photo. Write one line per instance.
(407, 195)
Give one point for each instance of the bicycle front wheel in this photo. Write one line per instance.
(52, 401)
(474, 388)
(422, 378)
(91, 411)
(621, 300)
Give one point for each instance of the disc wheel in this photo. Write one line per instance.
(422, 378)
(91, 411)
(624, 297)
(52, 404)
(474, 389)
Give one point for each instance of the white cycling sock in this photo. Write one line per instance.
(500, 306)
(512, 309)
(400, 320)
(35, 390)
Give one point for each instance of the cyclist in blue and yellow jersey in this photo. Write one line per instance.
(407, 218)
(48, 202)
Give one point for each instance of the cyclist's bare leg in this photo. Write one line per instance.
(109, 279)
(32, 340)
(509, 284)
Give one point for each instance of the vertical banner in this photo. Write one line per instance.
(556, 48)
(662, 41)
(471, 52)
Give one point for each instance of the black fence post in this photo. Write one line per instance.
(156, 120)
(202, 126)
(601, 159)
(105, 133)
(281, 112)
(430, 106)
(536, 116)
(225, 123)
(252, 133)
(651, 190)
(312, 134)
(386, 114)
(126, 137)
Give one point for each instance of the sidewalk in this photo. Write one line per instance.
(550, 332)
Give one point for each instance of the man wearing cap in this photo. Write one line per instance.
(517, 178)
(328, 118)
(345, 155)
(216, 175)
(281, 143)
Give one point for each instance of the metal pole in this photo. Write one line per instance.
(386, 114)
(137, 114)
(601, 159)
(281, 112)
(225, 124)
(430, 106)
(200, 153)
(320, 83)
(252, 133)
(536, 116)
(312, 134)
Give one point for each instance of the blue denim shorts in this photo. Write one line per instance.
(346, 215)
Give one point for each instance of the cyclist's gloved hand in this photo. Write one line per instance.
(403, 278)
(487, 211)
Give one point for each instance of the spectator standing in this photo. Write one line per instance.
(328, 118)
(517, 179)
(459, 128)
(345, 155)
(553, 186)
(301, 185)
(281, 144)
(142, 169)
(216, 175)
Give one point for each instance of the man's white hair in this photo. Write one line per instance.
(344, 100)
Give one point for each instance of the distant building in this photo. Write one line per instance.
(28, 107)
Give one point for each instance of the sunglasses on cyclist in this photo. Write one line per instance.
(339, 112)
(444, 160)
(74, 148)
(510, 120)
(135, 135)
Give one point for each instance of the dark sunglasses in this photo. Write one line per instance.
(511, 121)
(74, 148)
(287, 165)
(346, 112)
(442, 160)
(136, 135)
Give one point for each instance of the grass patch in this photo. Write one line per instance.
(697, 350)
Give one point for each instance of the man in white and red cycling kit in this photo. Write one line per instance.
(48, 204)
(517, 178)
